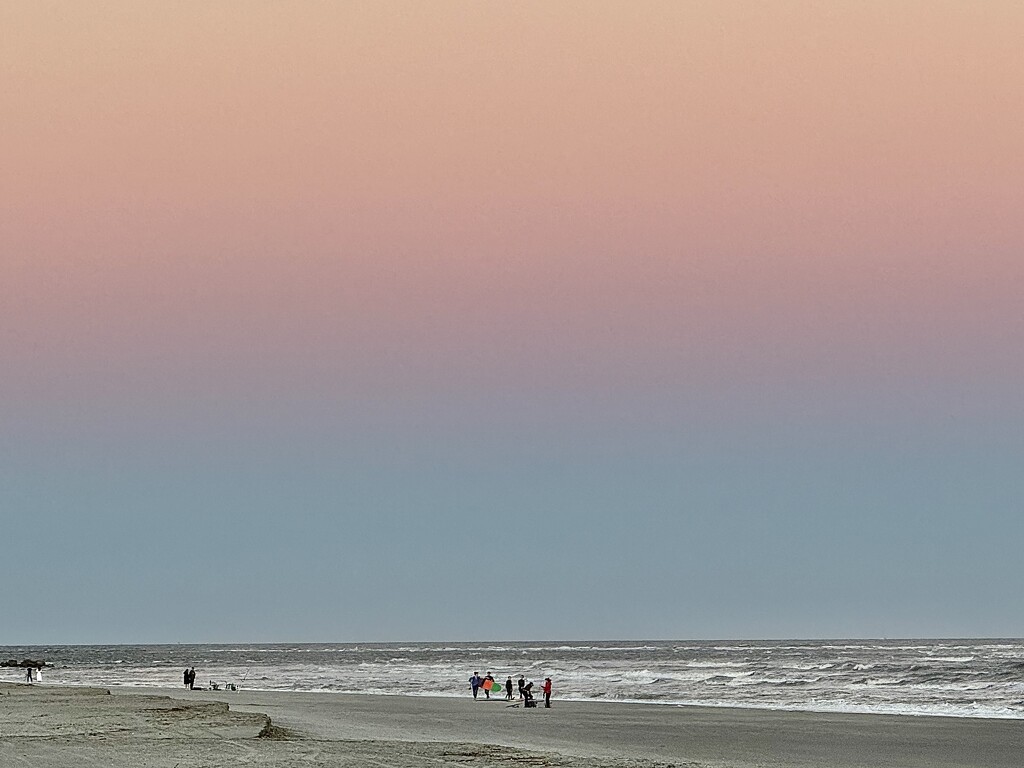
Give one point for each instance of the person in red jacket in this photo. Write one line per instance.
(547, 691)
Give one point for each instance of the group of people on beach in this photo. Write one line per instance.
(190, 678)
(487, 683)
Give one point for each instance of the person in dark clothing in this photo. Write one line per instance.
(185, 677)
(192, 679)
(522, 685)
(528, 693)
(547, 692)
(508, 689)
(474, 683)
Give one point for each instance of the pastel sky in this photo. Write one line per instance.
(548, 320)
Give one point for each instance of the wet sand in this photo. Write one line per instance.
(64, 727)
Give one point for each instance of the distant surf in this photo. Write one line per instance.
(960, 678)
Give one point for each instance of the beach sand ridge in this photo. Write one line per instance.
(48, 727)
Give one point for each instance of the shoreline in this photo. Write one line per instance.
(950, 678)
(65, 726)
(604, 702)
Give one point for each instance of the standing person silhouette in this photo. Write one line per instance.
(547, 692)
(508, 689)
(522, 687)
(185, 677)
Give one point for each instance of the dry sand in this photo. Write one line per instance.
(44, 726)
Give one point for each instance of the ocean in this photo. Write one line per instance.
(960, 678)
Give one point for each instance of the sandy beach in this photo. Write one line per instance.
(170, 728)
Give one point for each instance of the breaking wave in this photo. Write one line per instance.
(961, 678)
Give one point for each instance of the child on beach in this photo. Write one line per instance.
(528, 695)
